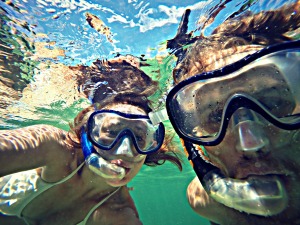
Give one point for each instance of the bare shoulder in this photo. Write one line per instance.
(31, 147)
(36, 137)
(118, 210)
(36, 133)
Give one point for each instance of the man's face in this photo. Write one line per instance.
(278, 156)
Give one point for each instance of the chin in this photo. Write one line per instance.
(117, 182)
(284, 217)
(288, 215)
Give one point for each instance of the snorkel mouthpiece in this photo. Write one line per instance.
(101, 167)
(263, 196)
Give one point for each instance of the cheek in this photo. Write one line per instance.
(216, 155)
(137, 167)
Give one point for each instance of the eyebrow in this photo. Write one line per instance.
(112, 122)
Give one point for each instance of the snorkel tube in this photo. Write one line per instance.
(96, 163)
(263, 197)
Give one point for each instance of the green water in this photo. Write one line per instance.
(160, 195)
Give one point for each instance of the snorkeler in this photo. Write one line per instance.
(50, 176)
(236, 108)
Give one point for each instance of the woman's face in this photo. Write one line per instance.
(123, 154)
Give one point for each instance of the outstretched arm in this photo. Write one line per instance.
(31, 147)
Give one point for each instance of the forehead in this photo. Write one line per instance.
(202, 58)
(126, 108)
(250, 80)
(117, 122)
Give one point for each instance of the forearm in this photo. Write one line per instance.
(28, 147)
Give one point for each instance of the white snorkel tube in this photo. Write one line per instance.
(263, 197)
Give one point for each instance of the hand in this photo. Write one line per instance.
(103, 168)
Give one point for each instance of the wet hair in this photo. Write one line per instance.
(237, 35)
(121, 76)
(126, 84)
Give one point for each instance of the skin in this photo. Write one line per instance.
(45, 147)
(280, 155)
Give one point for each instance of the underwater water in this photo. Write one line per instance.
(40, 39)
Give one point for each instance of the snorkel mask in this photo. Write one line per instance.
(202, 107)
(109, 129)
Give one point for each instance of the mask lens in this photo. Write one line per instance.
(107, 128)
(198, 107)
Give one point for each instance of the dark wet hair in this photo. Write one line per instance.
(235, 34)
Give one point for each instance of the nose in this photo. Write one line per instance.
(124, 148)
(249, 131)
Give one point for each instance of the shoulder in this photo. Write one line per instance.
(38, 137)
(39, 132)
(44, 145)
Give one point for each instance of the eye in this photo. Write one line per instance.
(112, 132)
(213, 112)
(278, 100)
(109, 132)
(140, 140)
(213, 122)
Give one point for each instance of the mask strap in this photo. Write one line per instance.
(159, 116)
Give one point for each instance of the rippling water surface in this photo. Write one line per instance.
(41, 38)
